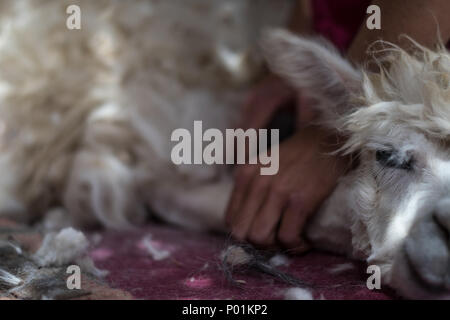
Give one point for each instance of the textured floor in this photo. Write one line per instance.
(190, 269)
(163, 262)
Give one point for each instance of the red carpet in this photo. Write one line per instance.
(192, 270)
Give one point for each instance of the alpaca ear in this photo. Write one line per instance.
(315, 67)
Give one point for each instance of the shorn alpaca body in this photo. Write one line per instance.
(87, 117)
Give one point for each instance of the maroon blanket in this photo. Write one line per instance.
(191, 269)
(340, 20)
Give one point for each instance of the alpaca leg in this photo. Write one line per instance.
(10, 203)
(101, 189)
(196, 207)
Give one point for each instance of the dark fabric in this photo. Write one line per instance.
(339, 21)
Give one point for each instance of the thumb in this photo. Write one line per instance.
(262, 104)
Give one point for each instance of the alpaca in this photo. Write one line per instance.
(87, 115)
(393, 209)
(86, 118)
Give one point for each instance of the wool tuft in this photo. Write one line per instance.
(298, 294)
(61, 248)
(279, 260)
(155, 253)
(339, 268)
(235, 256)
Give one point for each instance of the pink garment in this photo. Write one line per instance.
(339, 21)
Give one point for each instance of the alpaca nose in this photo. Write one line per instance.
(442, 215)
(427, 247)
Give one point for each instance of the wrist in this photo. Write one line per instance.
(301, 20)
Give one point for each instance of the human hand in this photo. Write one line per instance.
(272, 210)
(264, 100)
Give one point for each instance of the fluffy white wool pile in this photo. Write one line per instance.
(235, 256)
(279, 260)
(61, 248)
(86, 115)
(298, 294)
(156, 253)
(64, 247)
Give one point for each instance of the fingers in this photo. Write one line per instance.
(251, 204)
(263, 228)
(269, 209)
(243, 177)
(292, 225)
(264, 101)
(255, 210)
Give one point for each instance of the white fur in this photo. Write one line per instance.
(396, 218)
(61, 248)
(339, 268)
(8, 279)
(155, 253)
(235, 256)
(88, 113)
(298, 294)
(279, 260)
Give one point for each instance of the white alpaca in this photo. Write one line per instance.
(87, 117)
(393, 210)
(88, 114)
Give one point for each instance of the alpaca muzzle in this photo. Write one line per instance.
(427, 249)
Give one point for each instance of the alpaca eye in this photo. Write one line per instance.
(391, 159)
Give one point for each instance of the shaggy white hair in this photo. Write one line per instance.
(411, 90)
(392, 208)
(86, 115)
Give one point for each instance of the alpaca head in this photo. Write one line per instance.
(397, 122)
